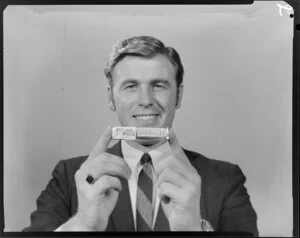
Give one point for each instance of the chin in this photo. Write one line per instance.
(148, 142)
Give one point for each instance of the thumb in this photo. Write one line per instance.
(174, 143)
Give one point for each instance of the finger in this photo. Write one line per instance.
(168, 162)
(104, 184)
(170, 192)
(180, 166)
(108, 164)
(187, 187)
(170, 176)
(174, 143)
(103, 143)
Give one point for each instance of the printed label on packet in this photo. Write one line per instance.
(132, 133)
(124, 133)
(152, 132)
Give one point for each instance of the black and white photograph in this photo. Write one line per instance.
(148, 118)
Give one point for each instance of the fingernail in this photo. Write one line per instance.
(165, 199)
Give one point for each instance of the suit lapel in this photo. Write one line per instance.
(121, 217)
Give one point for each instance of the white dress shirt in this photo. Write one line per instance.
(132, 156)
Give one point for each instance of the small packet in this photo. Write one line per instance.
(133, 133)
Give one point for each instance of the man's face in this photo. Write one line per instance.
(144, 92)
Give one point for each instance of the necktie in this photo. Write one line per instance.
(144, 203)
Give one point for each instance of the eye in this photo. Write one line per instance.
(159, 86)
(129, 87)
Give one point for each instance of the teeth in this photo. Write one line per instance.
(145, 117)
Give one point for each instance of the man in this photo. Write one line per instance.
(145, 184)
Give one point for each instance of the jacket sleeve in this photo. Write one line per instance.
(238, 213)
(53, 204)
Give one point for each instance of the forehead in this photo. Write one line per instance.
(140, 68)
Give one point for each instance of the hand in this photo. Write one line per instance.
(96, 201)
(179, 188)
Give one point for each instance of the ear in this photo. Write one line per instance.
(179, 96)
(110, 98)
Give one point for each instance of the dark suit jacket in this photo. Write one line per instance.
(224, 199)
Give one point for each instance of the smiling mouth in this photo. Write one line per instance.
(145, 117)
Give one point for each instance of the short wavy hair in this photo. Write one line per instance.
(143, 46)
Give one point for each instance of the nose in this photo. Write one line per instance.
(146, 97)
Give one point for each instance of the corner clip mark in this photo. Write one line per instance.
(285, 7)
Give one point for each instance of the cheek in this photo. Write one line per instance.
(122, 100)
(123, 104)
(167, 101)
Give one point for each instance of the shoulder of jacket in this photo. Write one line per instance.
(210, 167)
(73, 164)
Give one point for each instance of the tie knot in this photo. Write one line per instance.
(146, 158)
